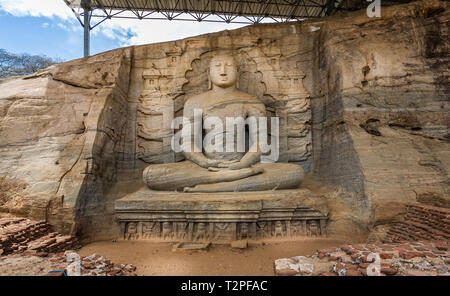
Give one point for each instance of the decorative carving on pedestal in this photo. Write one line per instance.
(279, 231)
(167, 230)
(262, 229)
(222, 231)
(297, 228)
(191, 224)
(131, 231)
(200, 232)
(181, 230)
(150, 229)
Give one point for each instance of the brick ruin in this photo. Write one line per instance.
(18, 235)
(421, 223)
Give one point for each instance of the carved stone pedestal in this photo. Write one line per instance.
(176, 216)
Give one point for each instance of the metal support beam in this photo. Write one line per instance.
(330, 6)
(87, 26)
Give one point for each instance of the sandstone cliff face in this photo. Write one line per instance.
(57, 135)
(363, 105)
(381, 119)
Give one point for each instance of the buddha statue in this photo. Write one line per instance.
(223, 171)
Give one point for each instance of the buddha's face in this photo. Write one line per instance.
(223, 71)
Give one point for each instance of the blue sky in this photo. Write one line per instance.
(47, 36)
(48, 27)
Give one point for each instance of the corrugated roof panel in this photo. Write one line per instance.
(261, 8)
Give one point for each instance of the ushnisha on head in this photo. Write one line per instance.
(223, 71)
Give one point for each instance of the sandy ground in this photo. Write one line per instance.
(157, 258)
(20, 265)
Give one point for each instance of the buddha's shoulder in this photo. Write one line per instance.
(201, 98)
(198, 99)
(248, 97)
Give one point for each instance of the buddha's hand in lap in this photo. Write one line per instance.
(237, 165)
(254, 170)
(214, 163)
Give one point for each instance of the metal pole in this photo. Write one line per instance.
(330, 7)
(87, 27)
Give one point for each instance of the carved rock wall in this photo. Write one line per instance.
(381, 109)
(363, 105)
(167, 74)
(59, 128)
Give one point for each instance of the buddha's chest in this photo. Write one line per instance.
(222, 110)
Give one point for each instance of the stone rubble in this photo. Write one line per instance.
(411, 258)
(31, 248)
(96, 265)
(58, 264)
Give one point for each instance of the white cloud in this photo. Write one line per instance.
(151, 31)
(125, 31)
(46, 8)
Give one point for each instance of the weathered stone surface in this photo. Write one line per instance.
(59, 264)
(58, 132)
(190, 247)
(221, 217)
(363, 105)
(239, 244)
(381, 110)
(351, 260)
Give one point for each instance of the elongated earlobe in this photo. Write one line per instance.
(209, 80)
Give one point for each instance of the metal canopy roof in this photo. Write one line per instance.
(229, 11)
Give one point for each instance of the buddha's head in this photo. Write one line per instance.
(223, 71)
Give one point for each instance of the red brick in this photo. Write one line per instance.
(410, 255)
(348, 249)
(328, 274)
(339, 267)
(386, 256)
(56, 273)
(355, 256)
(286, 271)
(365, 260)
(353, 273)
(430, 255)
(349, 266)
(364, 265)
(389, 270)
(333, 259)
(88, 265)
(363, 271)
